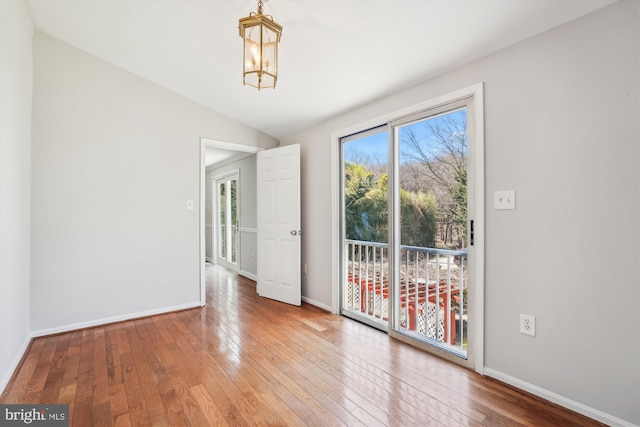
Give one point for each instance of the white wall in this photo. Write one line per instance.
(115, 158)
(562, 129)
(248, 210)
(16, 77)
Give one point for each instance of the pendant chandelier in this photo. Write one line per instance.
(261, 35)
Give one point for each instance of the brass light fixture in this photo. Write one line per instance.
(261, 35)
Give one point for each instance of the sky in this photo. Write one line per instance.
(375, 147)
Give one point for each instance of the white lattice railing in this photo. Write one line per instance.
(431, 294)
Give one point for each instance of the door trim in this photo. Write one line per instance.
(204, 143)
(476, 354)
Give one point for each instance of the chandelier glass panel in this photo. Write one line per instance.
(261, 35)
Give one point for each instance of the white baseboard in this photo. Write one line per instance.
(317, 304)
(114, 319)
(248, 275)
(560, 400)
(6, 377)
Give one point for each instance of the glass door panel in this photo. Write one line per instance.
(227, 223)
(233, 216)
(431, 197)
(365, 267)
(222, 220)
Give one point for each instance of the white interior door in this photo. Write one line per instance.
(279, 231)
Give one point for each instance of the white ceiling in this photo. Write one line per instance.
(335, 55)
(218, 156)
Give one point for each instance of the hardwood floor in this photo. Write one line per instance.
(244, 360)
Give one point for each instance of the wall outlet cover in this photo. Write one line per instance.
(528, 324)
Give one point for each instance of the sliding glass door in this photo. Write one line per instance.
(405, 230)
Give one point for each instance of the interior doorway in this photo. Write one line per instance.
(230, 151)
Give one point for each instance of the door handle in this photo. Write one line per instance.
(294, 233)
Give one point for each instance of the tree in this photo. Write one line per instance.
(434, 160)
(458, 208)
(365, 202)
(366, 209)
(418, 219)
(439, 144)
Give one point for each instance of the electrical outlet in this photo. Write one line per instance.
(528, 324)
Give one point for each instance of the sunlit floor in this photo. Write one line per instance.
(245, 360)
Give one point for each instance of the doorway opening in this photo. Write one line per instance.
(225, 153)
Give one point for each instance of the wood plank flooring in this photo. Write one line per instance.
(247, 361)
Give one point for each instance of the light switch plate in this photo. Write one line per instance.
(505, 199)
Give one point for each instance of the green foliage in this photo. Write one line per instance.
(366, 212)
(365, 204)
(418, 222)
(234, 201)
(458, 209)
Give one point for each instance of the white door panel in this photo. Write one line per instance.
(279, 224)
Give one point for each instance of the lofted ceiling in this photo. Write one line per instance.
(214, 156)
(335, 55)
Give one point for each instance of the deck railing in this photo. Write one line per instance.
(431, 295)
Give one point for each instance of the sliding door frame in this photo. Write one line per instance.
(475, 355)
